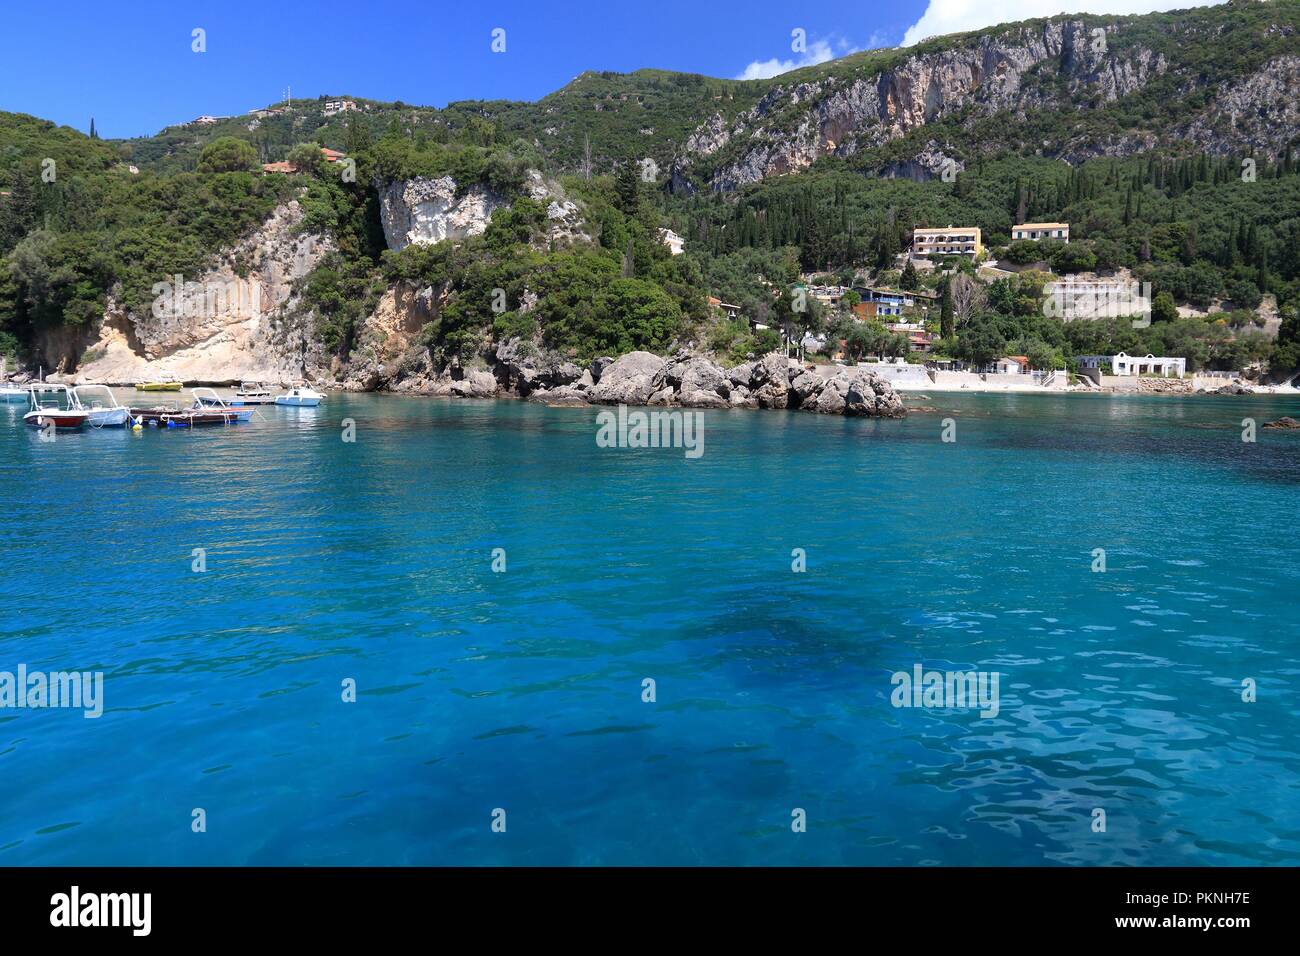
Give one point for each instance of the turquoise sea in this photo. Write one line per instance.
(372, 561)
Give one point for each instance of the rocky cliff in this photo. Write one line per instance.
(238, 320)
(425, 211)
(983, 87)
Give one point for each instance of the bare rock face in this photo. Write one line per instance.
(423, 210)
(236, 321)
(388, 353)
(1262, 110)
(629, 380)
(1052, 64)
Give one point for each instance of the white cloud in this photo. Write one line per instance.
(958, 16)
(819, 51)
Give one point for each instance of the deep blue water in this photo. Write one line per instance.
(522, 690)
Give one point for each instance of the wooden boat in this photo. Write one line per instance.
(63, 414)
(102, 412)
(206, 398)
(251, 393)
(171, 416)
(301, 397)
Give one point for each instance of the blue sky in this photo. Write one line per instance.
(130, 64)
(131, 67)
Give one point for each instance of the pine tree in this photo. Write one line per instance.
(92, 128)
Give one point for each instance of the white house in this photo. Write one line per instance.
(1034, 231)
(675, 243)
(338, 106)
(1125, 364)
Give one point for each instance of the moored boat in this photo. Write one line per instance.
(300, 397)
(60, 413)
(252, 393)
(101, 406)
(172, 416)
(12, 393)
(206, 398)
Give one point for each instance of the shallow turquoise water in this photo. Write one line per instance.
(372, 561)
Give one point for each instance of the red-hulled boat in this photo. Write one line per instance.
(65, 414)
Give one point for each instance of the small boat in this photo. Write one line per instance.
(173, 416)
(205, 398)
(61, 413)
(102, 412)
(166, 384)
(300, 398)
(251, 393)
(12, 393)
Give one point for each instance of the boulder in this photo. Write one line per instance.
(598, 366)
(698, 398)
(742, 375)
(1285, 422)
(804, 387)
(628, 381)
(770, 380)
(566, 396)
(858, 392)
(701, 375)
(477, 383)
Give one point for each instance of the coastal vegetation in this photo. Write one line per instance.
(87, 223)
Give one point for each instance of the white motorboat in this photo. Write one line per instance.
(59, 412)
(206, 398)
(12, 393)
(300, 398)
(252, 393)
(101, 406)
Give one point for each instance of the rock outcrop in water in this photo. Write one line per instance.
(694, 381)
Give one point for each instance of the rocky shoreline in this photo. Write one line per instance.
(684, 380)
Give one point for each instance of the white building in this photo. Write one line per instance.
(339, 106)
(675, 243)
(951, 241)
(1034, 231)
(1125, 364)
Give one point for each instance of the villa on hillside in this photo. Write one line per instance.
(675, 243)
(1125, 364)
(207, 120)
(950, 241)
(1034, 231)
(338, 106)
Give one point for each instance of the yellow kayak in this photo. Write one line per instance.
(158, 386)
